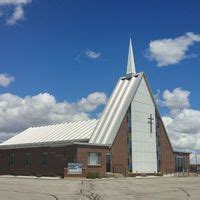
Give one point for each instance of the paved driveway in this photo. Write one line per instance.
(121, 188)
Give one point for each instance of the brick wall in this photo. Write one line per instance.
(57, 159)
(82, 157)
(119, 150)
(186, 160)
(167, 164)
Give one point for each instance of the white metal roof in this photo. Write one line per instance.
(73, 131)
(114, 113)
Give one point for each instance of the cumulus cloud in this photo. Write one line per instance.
(183, 126)
(6, 80)
(184, 130)
(176, 100)
(171, 51)
(17, 114)
(187, 121)
(18, 12)
(91, 102)
(92, 54)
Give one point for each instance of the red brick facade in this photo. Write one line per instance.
(57, 158)
(167, 164)
(186, 160)
(82, 157)
(119, 150)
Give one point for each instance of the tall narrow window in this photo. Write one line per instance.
(158, 141)
(27, 159)
(45, 158)
(11, 160)
(129, 140)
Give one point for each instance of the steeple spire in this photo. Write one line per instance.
(131, 62)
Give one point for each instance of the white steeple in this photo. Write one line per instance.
(131, 62)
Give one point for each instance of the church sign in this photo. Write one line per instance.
(75, 168)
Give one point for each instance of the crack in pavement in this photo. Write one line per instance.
(86, 190)
(183, 190)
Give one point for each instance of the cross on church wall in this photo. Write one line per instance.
(151, 123)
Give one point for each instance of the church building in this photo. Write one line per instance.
(129, 138)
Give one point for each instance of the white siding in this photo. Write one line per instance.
(144, 159)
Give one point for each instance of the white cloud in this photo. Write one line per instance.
(91, 102)
(176, 100)
(183, 126)
(17, 114)
(6, 80)
(18, 13)
(14, 2)
(92, 55)
(187, 121)
(167, 120)
(171, 51)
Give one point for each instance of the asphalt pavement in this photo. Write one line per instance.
(149, 188)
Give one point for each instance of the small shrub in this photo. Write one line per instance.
(92, 175)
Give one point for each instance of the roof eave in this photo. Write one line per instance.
(43, 144)
(92, 144)
(182, 152)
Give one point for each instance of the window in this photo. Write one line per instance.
(27, 159)
(11, 159)
(129, 140)
(45, 158)
(94, 159)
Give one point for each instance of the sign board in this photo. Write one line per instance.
(75, 168)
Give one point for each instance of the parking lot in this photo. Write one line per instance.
(12, 188)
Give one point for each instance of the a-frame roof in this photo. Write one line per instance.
(116, 108)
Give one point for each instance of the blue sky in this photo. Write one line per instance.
(41, 51)
(44, 47)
